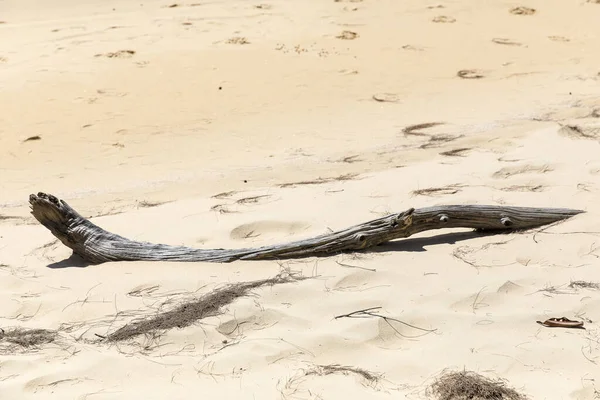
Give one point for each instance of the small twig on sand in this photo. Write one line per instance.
(371, 312)
(355, 266)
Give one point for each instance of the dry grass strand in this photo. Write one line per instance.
(322, 370)
(189, 312)
(27, 338)
(584, 285)
(469, 385)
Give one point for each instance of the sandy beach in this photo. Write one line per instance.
(230, 124)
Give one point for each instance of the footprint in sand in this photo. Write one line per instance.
(260, 320)
(478, 302)
(412, 48)
(117, 54)
(506, 42)
(470, 74)
(443, 19)
(253, 199)
(386, 97)
(237, 40)
(522, 11)
(354, 282)
(347, 35)
(559, 39)
(278, 229)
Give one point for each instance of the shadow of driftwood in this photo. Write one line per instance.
(419, 244)
(74, 261)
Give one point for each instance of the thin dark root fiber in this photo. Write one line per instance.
(186, 314)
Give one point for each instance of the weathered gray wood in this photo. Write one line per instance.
(97, 245)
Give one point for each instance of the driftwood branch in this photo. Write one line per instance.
(96, 245)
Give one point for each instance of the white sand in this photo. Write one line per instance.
(295, 104)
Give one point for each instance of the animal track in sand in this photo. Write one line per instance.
(349, 159)
(506, 42)
(275, 228)
(415, 130)
(311, 49)
(347, 35)
(117, 54)
(237, 40)
(522, 11)
(507, 172)
(386, 97)
(559, 39)
(459, 152)
(470, 74)
(438, 140)
(143, 290)
(443, 19)
(412, 48)
(253, 199)
(222, 209)
(224, 195)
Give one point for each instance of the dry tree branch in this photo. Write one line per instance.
(97, 245)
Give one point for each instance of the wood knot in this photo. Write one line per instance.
(506, 221)
(444, 218)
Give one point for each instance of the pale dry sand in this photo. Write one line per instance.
(145, 103)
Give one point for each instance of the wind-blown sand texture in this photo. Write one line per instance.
(240, 124)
